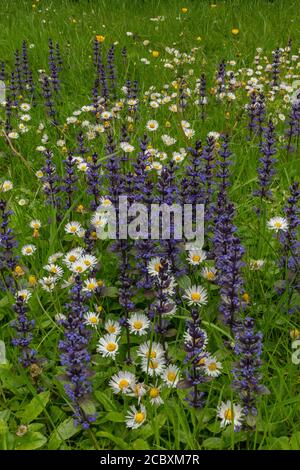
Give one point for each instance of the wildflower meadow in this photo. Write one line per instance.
(150, 225)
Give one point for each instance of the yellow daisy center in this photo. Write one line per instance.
(196, 258)
(212, 366)
(171, 376)
(111, 347)
(201, 361)
(154, 392)
(157, 267)
(79, 269)
(123, 383)
(137, 324)
(28, 250)
(91, 286)
(228, 414)
(111, 329)
(139, 417)
(210, 275)
(73, 229)
(151, 354)
(93, 319)
(278, 224)
(196, 296)
(153, 364)
(72, 258)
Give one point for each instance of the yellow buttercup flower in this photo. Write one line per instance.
(32, 281)
(100, 38)
(155, 54)
(235, 31)
(184, 10)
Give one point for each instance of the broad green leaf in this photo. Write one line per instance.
(122, 445)
(213, 443)
(35, 407)
(105, 401)
(64, 431)
(140, 444)
(115, 417)
(2, 353)
(295, 441)
(30, 441)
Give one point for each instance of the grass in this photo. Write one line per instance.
(73, 24)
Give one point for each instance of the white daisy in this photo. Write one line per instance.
(48, 283)
(78, 267)
(73, 227)
(35, 224)
(28, 250)
(54, 269)
(168, 140)
(91, 319)
(195, 295)
(278, 223)
(24, 294)
(212, 367)
(154, 266)
(90, 285)
(89, 260)
(154, 396)
(108, 346)
(230, 413)
(138, 324)
(137, 390)
(72, 256)
(153, 366)
(135, 418)
(53, 258)
(171, 375)
(209, 273)
(126, 147)
(112, 327)
(152, 125)
(6, 186)
(196, 257)
(122, 382)
(25, 107)
(150, 350)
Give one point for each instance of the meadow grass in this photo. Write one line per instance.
(174, 425)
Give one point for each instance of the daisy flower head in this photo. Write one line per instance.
(138, 324)
(48, 283)
(212, 367)
(91, 319)
(73, 256)
(278, 224)
(126, 147)
(152, 125)
(108, 346)
(90, 285)
(28, 250)
(89, 261)
(195, 295)
(153, 366)
(136, 417)
(137, 390)
(74, 228)
(230, 414)
(150, 350)
(122, 382)
(154, 396)
(209, 273)
(55, 257)
(168, 140)
(78, 267)
(195, 257)
(24, 294)
(6, 186)
(154, 266)
(112, 327)
(171, 375)
(35, 224)
(54, 269)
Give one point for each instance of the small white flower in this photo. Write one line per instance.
(91, 319)
(25, 107)
(212, 367)
(154, 396)
(72, 256)
(112, 327)
(6, 186)
(256, 264)
(54, 269)
(171, 375)
(196, 257)
(126, 147)
(90, 285)
(209, 273)
(195, 295)
(277, 224)
(150, 350)
(154, 266)
(53, 258)
(73, 227)
(25, 117)
(78, 267)
(24, 294)
(230, 414)
(48, 283)
(13, 135)
(28, 250)
(108, 346)
(135, 418)
(153, 366)
(89, 261)
(168, 140)
(35, 224)
(152, 125)
(122, 382)
(138, 324)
